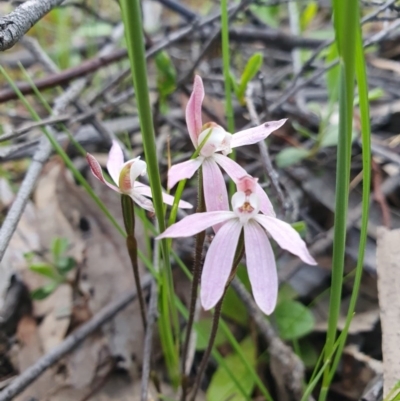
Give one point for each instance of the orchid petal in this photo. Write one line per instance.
(234, 170)
(195, 223)
(138, 168)
(183, 171)
(129, 172)
(142, 201)
(218, 263)
(247, 184)
(193, 110)
(237, 172)
(215, 193)
(255, 134)
(286, 237)
(97, 171)
(261, 267)
(217, 140)
(168, 199)
(115, 161)
(265, 204)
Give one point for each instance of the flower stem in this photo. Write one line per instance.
(131, 244)
(199, 242)
(204, 361)
(217, 314)
(226, 66)
(131, 15)
(128, 213)
(227, 79)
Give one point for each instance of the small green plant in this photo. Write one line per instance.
(166, 78)
(56, 270)
(252, 67)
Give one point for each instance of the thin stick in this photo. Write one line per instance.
(151, 319)
(131, 244)
(204, 361)
(198, 253)
(74, 339)
(265, 158)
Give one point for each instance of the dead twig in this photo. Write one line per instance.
(74, 339)
(14, 25)
(38, 124)
(265, 158)
(63, 77)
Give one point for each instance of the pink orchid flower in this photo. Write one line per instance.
(125, 174)
(260, 258)
(217, 140)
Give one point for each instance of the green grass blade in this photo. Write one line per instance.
(346, 14)
(361, 75)
(131, 15)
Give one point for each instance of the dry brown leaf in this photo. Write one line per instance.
(55, 325)
(388, 261)
(29, 352)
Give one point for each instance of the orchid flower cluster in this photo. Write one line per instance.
(252, 212)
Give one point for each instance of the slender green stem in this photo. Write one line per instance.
(128, 213)
(226, 65)
(198, 253)
(361, 75)
(131, 14)
(131, 245)
(345, 17)
(207, 353)
(230, 118)
(220, 360)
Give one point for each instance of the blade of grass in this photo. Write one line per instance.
(345, 15)
(131, 15)
(227, 79)
(362, 82)
(314, 381)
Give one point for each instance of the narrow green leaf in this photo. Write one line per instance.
(252, 67)
(169, 321)
(58, 247)
(44, 270)
(166, 74)
(346, 23)
(43, 292)
(234, 84)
